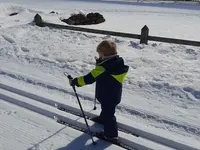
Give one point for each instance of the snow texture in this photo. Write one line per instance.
(161, 92)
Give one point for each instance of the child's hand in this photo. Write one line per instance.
(70, 82)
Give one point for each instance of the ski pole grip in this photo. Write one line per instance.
(69, 77)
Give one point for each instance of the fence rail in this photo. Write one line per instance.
(175, 41)
(144, 37)
(120, 34)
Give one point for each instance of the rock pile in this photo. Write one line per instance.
(81, 19)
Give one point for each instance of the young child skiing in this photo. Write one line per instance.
(109, 74)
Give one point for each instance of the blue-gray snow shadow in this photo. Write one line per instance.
(141, 3)
(84, 142)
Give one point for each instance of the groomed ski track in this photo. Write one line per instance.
(144, 114)
(73, 121)
(47, 108)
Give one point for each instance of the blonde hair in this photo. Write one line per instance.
(107, 47)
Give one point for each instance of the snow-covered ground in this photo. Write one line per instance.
(161, 93)
(128, 18)
(24, 130)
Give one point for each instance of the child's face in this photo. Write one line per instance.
(100, 54)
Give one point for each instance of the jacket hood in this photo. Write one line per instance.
(114, 65)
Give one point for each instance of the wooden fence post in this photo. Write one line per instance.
(144, 35)
(38, 20)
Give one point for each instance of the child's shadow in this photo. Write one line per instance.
(84, 142)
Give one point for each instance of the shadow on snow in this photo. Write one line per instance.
(170, 4)
(84, 142)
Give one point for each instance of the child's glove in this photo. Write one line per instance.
(70, 82)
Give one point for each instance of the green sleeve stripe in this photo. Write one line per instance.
(97, 71)
(120, 78)
(81, 81)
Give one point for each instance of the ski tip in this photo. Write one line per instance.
(65, 73)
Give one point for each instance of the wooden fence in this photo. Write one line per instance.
(144, 37)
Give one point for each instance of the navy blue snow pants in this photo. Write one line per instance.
(109, 120)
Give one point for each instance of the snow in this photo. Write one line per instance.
(133, 17)
(161, 93)
(22, 129)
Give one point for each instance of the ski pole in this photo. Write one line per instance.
(94, 143)
(95, 100)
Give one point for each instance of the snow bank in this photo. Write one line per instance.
(13, 15)
(7, 9)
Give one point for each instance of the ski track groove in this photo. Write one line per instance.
(73, 124)
(143, 134)
(132, 111)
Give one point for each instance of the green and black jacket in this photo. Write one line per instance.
(109, 74)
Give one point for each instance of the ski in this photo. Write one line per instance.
(89, 117)
(119, 142)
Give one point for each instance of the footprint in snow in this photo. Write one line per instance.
(24, 49)
(9, 112)
(195, 93)
(44, 55)
(60, 60)
(136, 45)
(191, 51)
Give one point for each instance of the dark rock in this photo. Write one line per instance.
(98, 15)
(100, 20)
(13, 14)
(72, 22)
(78, 21)
(87, 21)
(91, 15)
(65, 20)
(81, 19)
(68, 21)
(81, 16)
(53, 12)
(72, 17)
(93, 18)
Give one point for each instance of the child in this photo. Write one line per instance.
(109, 74)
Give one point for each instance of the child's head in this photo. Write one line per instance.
(107, 48)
